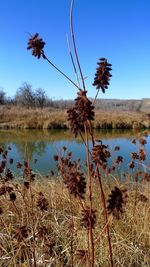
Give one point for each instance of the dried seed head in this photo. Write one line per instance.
(102, 75)
(100, 154)
(21, 233)
(74, 122)
(36, 44)
(81, 113)
(116, 201)
(8, 175)
(5, 189)
(26, 184)
(84, 107)
(56, 157)
(117, 148)
(142, 154)
(75, 182)
(88, 218)
(142, 141)
(19, 165)
(134, 155)
(119, 159)
(42, 202)
(2, 166)
(42, 232)
(12, 196)
(131, 165)
(143, 198)
(1, 210)
(1, 150)
(146, 176)
(49, 247)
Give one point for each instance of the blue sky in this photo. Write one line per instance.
(116, 29)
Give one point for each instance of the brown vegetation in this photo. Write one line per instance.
(14, 117)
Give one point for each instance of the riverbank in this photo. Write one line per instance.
(13, 117)
(40, 223)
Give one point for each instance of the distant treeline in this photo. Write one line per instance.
(25, 96)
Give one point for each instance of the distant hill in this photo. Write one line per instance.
(142, 105)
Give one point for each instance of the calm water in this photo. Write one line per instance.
(43, 145)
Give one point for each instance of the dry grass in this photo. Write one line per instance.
(55, 234)
(48, 118)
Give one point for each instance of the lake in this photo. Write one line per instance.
(42, 145)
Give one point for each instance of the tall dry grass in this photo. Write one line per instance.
(14, 117)
(53, 230)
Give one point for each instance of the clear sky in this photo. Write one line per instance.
(116, 29)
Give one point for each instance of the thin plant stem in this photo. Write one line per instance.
(72, 234)
(61, 72)
(90, 195)
(105, 216)
(94, 101)
(74, 43)
(73, 63)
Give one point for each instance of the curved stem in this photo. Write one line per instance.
(74, 43)
(73, 63)
(45, 57)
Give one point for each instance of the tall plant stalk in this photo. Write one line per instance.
(80, 117)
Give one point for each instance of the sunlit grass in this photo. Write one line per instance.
(58, 232)
(48, 118)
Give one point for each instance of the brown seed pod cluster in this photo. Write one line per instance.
(42, 203)
(146, 177)
(76, 184)
(12, 196)
(8, 175)
(119, 160)
(117, 148)
(117, 201)
(21, 233)
(131, 164)
(74, 178)
(142, 141)
(36, 44)
(81, 113)
(100, 154)
(19, 165)
(102, 76)
(5, 189)
(2, 166)
(88, 218)
(134, 155)
(142, 154)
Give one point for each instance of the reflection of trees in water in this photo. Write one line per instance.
(28, 150)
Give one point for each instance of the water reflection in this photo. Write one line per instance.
(43, 145)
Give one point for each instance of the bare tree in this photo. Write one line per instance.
(40, 98)
(25, 96)
(2, 97)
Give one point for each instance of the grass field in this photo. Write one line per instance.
(43, 224)
(13, 117)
